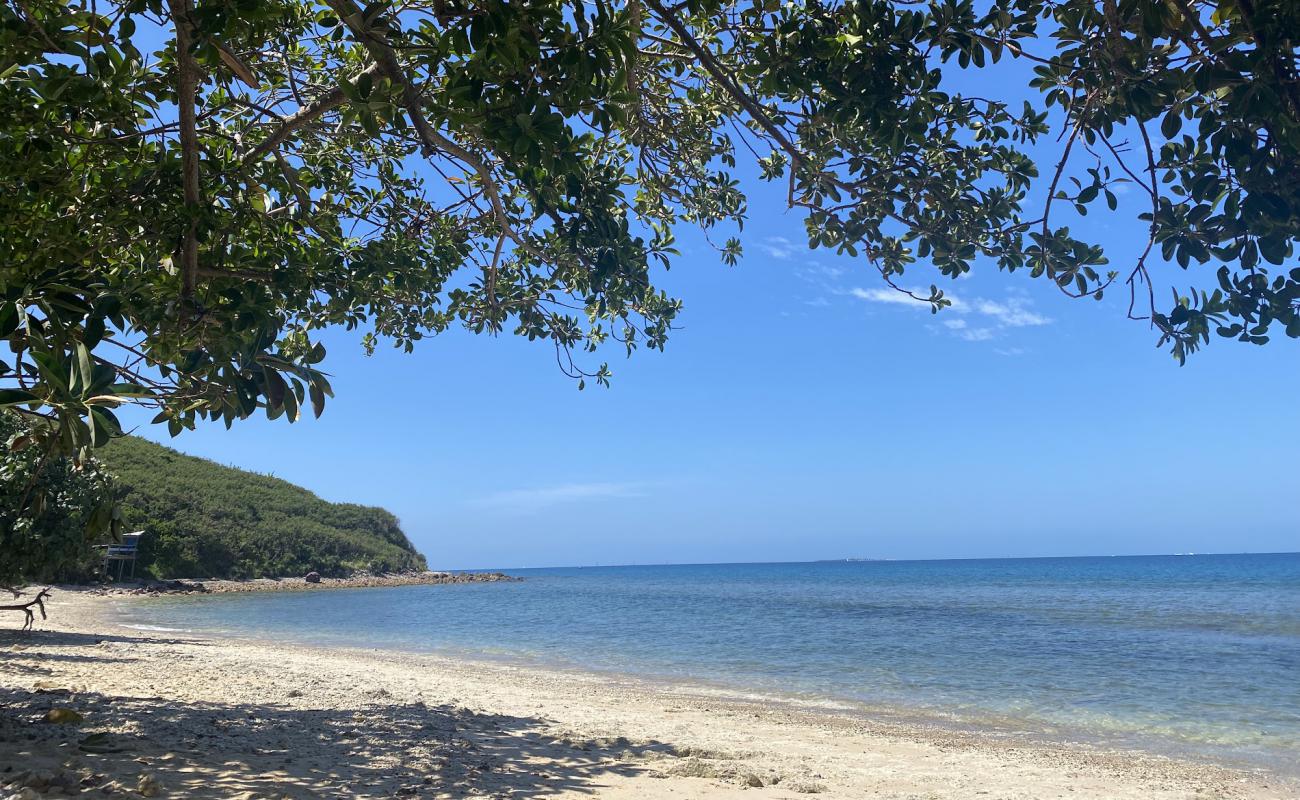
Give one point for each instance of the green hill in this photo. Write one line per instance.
(205, 520)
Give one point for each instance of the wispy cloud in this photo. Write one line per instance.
(965, 331)
(535, 499)
(972, 319)
(779, 247)
(1011, 313)
(993, 316)
(977, 334)
(887, 296)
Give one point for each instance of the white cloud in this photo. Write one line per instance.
(547, 496)
(1011, 314)
(976, 334)
(887, 296)
(779, 247)
(820, 274)
(903, 299)
(998, 315)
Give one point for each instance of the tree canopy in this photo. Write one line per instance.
(52, 510)
(192, 190)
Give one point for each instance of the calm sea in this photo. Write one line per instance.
(1188, 654)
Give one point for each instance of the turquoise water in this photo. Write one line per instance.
(1197, 654)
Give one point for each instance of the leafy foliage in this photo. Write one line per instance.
(192, 190)
(51, 510)
(202, 520)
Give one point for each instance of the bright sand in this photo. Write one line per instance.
(187, 715)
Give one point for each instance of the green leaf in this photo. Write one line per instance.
(103, 426)
(16, 397)
(83, 366)
(317, 399)
(130, 390)
(94, 331)
(1273, 248)
(1171, 124)
(291, 405)
(276, 388)
(8, 319)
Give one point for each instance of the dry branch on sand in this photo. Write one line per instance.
(37, 602)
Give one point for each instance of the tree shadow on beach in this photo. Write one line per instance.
(45, 639)
(376, 749)
(35, 652)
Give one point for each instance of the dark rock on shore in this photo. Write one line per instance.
(158, 587)
(312, 581)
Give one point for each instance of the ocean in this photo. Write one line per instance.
(1187, 655)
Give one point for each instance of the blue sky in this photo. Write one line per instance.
(802, 413)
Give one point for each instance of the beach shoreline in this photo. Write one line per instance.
(360, 580)
(220, 717)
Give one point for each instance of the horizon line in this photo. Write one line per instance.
(867, 560)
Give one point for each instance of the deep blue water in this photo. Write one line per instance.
(1185, 653)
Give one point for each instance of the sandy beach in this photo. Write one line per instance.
(167, 714)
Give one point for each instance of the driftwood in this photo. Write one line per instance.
(37, 602)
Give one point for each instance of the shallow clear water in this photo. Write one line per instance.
(1195, 654)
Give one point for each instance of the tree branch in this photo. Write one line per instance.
(37, 602)
(187, 94)
(301, 118)
(386, 58)
(719, 74)
(242, 274)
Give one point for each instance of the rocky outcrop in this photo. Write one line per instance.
(306, 583)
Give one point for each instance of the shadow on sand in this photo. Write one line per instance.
(377, 748)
